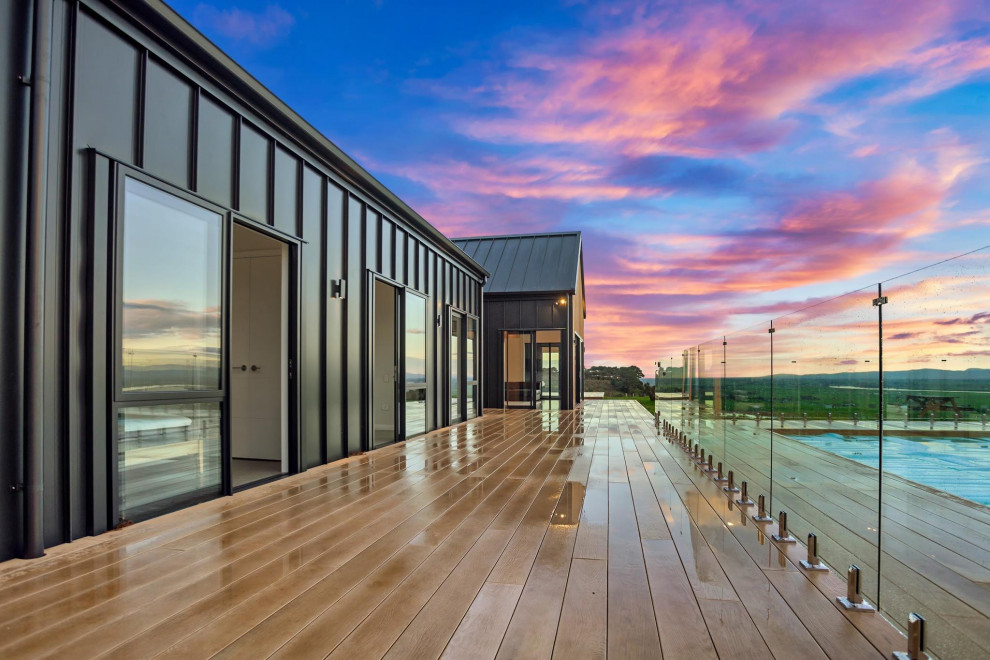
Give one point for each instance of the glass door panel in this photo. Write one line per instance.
(471, 368)
(549, 371)
(415, 365)
(170, 288)
(168, 389)
(384, 365)
(518, 371)
(168, 457)
(456, 321)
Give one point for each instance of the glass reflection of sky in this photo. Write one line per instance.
(415, 339)
(171, 292)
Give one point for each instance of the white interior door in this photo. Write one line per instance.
(258, 354)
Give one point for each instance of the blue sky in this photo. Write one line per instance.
(725, 160)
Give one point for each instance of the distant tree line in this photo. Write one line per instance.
(616, 381)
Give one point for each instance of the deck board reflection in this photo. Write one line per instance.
(521, 534)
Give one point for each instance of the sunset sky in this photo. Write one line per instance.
(726, 161)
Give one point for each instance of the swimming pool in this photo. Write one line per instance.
(960, 466)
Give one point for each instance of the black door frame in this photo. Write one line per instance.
(532, 368)
(462, 383)
(535, 390)
(399, 418)
(538, 363)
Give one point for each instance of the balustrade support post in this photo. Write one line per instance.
(813, 563)
(915, 639)
(853, 600)
(782, 535)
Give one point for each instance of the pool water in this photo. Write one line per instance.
(960, 466)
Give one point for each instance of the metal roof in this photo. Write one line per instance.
(527, 263)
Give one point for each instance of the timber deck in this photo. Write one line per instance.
(522, 534)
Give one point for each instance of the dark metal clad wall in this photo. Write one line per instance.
(131, 91)
(527, 263)
(14, 48)
(311, 326)
(514, 313)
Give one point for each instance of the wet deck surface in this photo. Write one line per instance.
(519, 535)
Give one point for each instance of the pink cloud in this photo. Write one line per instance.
(262, 28)
(834, 235)
(719, 79)
(722, 81)
(530, 178)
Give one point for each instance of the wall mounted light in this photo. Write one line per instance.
(338, 289)
(562, 301)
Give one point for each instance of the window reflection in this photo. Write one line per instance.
(415, 403)
(471, 367)
(415, 340)
(455, 368)
(170, 281)
(168, 457)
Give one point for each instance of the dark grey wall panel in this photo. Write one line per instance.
(106, 91)
(215, 152)
(399, 253)
(311, 322)
(286, 191)
(544, 316)
(335, 346)
(13, 115)
(252, 187)
(421, 264)
(63, 277)
(355, 348)
(386, 262)
(372, 250)
(167, 125)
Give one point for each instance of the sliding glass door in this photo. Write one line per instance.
(518, 370)
(462, 366)
(415, 364)
(549, 371)
(398, 363)
(169, 390)
(531, 367)
(471, 356)
(455, 365)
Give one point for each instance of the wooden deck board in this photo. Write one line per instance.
(523, 534)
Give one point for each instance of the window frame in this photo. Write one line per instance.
(120, 400)
(462, 366)
(119, 396)
(425, 385)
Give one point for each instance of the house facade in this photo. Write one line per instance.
(534, 312)
(201, 291)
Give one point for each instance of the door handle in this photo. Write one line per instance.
(243, 367)
(255, 367)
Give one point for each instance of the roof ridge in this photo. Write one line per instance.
(503, 236)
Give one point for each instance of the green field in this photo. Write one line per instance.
(915, 394)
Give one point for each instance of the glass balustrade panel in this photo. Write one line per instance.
(826, 449)
(935, 500)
